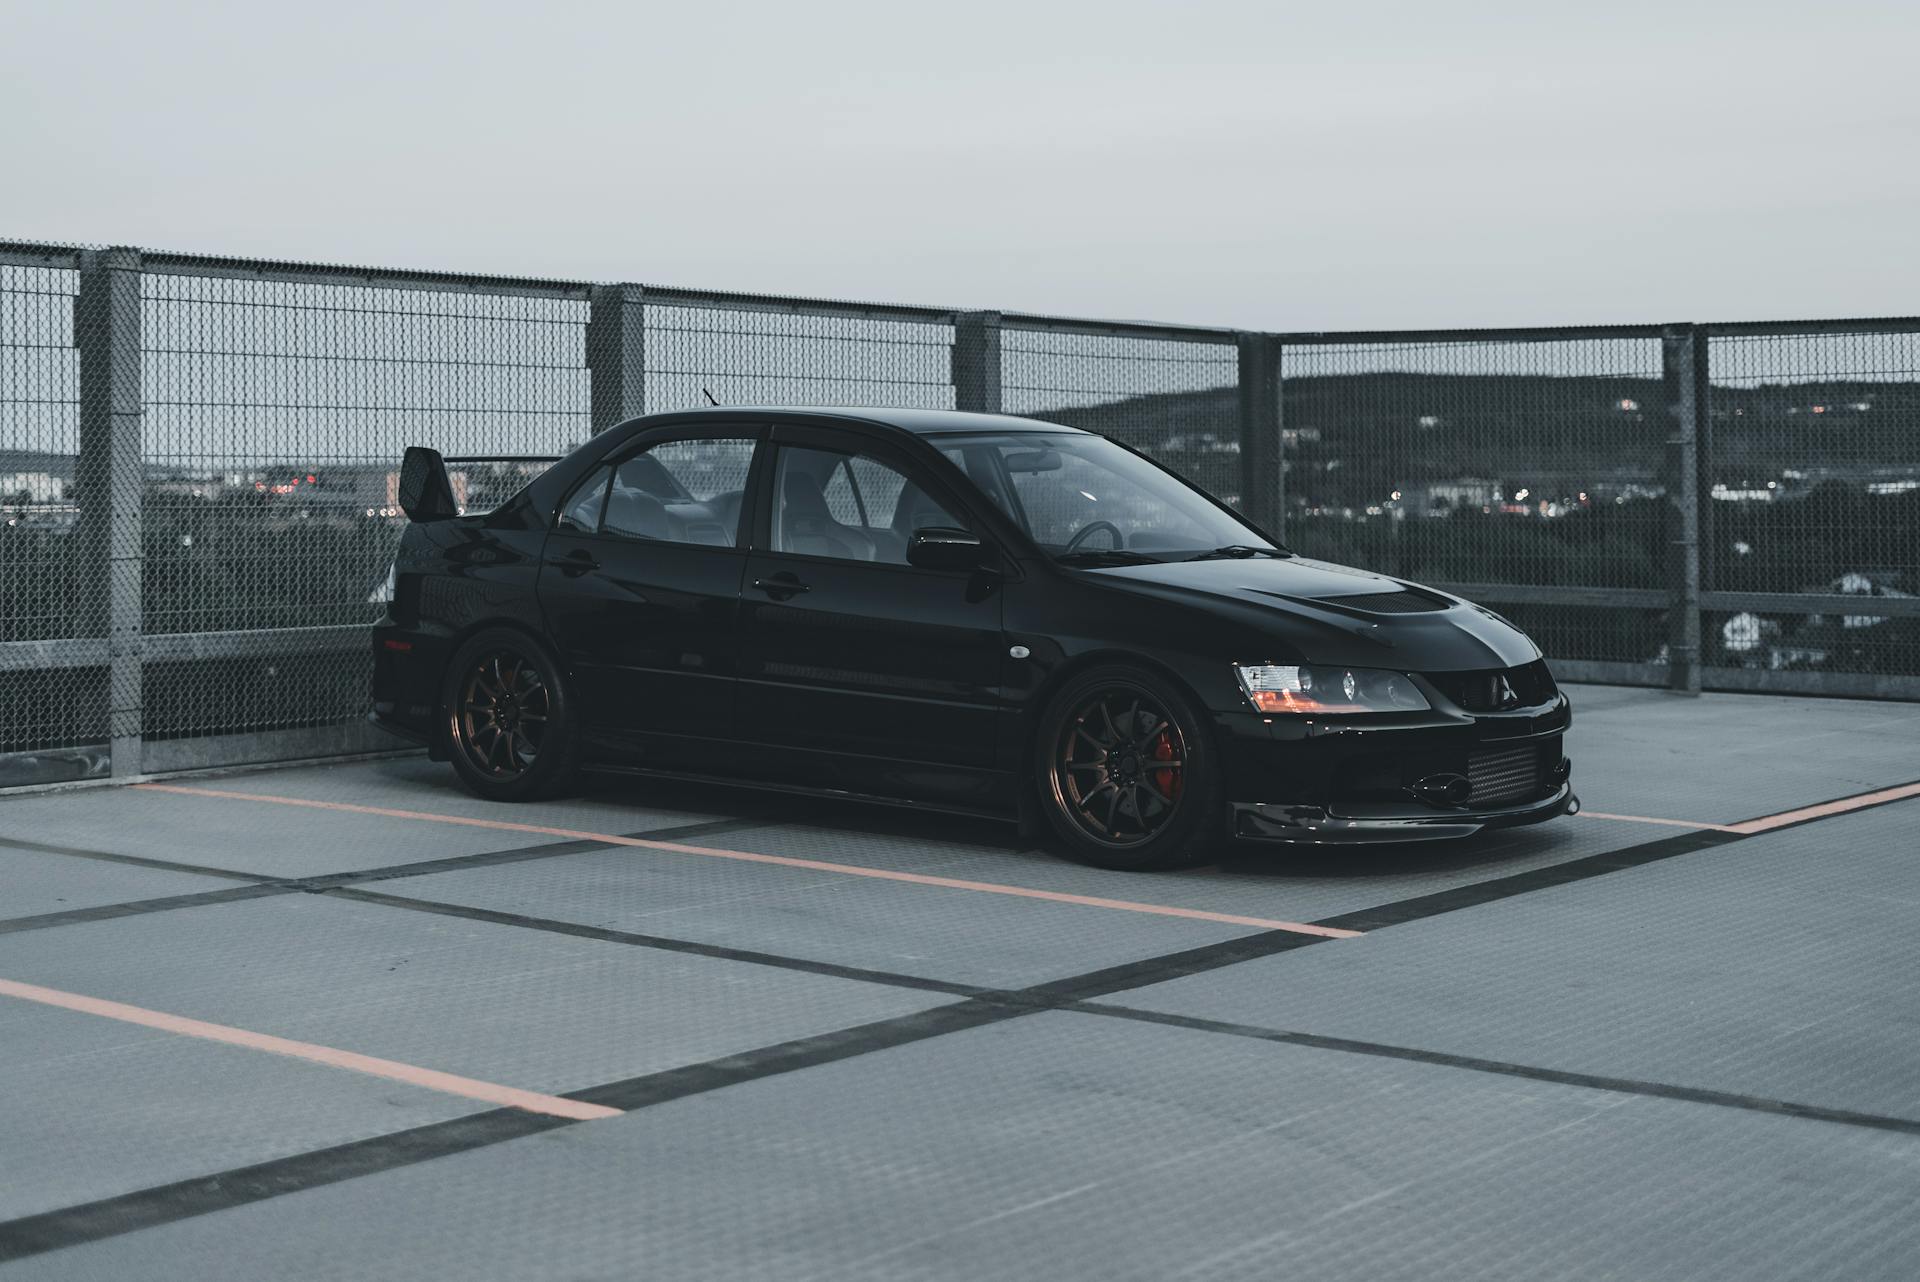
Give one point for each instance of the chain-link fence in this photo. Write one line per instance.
(1814, 492)
(53, 644)
(198, 457)
(1521, 472)
(272, 409)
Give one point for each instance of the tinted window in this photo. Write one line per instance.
(681, 492)
(849, 506)
(1086, 487)
(582, 512)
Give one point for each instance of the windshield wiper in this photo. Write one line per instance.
(1107, 556)
(1236, 552)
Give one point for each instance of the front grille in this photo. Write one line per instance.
(1391, 602)
(1527, 686)
(1505, 775)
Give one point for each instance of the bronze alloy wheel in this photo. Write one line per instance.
(1118, 767)
(502, 717)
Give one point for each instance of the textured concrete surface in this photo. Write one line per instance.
(36, 882)
(1783, 966)
(1594, 1049)
(1067, 1146)
(1725, 757)
(280, 841)
(466, 997)
(90, 1108)
(919, 930)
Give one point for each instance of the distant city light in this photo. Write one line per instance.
(1521, 495)
(1629, 404)
(1396, 495)
(1742, 633)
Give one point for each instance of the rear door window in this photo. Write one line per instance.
(685, 491)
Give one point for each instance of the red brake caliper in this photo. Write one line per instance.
(1168, 781)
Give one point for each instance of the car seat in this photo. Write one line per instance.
(806, 525)
(635, 514)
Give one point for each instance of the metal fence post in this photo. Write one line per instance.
(106, 323)
(1680, 382)
(1703, 447)
(1262, 476)
(617, 354)
(976, 362)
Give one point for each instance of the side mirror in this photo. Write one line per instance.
(425, 493)
(939, 547)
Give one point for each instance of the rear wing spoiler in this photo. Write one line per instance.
(426, 492)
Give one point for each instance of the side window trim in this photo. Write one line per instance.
(607, 470)
(853, 483)
(601, 475)
(912, 474)
(954, 498)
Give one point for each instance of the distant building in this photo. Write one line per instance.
(31, 487)
(1440, 496)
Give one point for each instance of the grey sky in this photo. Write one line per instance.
(1278, 165)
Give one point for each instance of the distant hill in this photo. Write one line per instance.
(1393, 429)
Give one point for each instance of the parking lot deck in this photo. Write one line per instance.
(346, 1021)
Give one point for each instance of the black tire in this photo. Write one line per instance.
(1125, 771)
(508, 718)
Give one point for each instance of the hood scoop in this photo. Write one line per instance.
(1405, 601)
(1367, 604)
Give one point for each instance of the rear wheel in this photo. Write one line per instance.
(1126, 772)
(510, 730)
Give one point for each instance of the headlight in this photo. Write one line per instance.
(1328, 690)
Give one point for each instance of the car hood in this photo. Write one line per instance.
(1315, 613)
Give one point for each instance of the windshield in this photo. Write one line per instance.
(1082, 496)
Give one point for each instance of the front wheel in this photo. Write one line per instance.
(1126, 771)
(509, 721)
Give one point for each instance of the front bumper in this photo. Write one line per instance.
(1354, 781)
(1314, 825)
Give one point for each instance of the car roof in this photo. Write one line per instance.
(917, 421)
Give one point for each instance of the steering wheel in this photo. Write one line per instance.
(1119, 539)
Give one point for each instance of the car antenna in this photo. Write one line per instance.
(709, 395)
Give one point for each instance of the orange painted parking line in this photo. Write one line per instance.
(393, 1070)
(1647, 819)
(1767, 823)
(785, 861)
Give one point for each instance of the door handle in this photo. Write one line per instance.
(781, 586)
(575, 563)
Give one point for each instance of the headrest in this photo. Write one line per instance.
(802, 496)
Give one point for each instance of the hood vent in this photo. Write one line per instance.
(1405, 602)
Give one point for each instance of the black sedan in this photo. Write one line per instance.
(960, 612)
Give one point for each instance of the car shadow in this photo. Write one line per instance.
(1489, 853)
